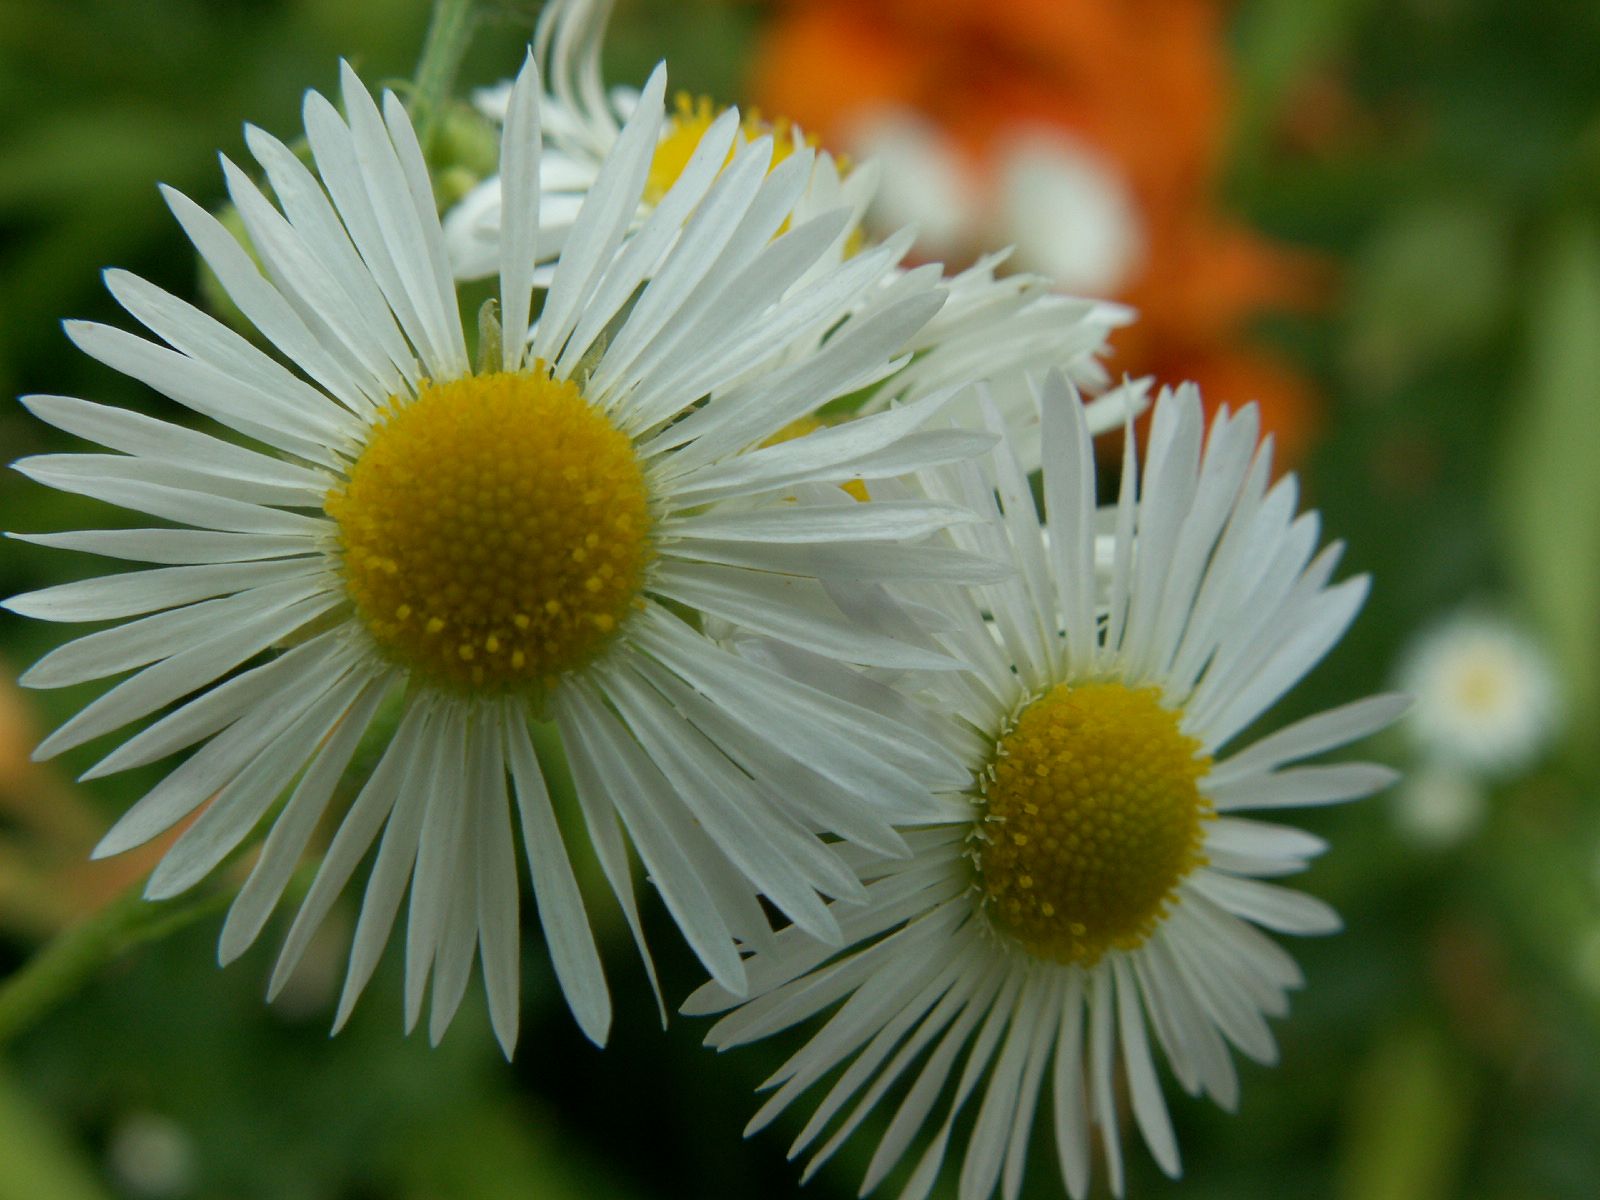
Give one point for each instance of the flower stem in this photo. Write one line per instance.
(450, 31)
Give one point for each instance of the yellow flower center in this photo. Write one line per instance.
(691, 117)
(1092, 816)
(495, 531)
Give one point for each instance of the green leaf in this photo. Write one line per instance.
(39, 1163)
(1408, 1118)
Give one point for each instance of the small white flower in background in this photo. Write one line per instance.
(463, 553)
(1098, 889)
(1068, 213)
(1487, 697)
(151, 1156)
(922, 182)
(990, 329)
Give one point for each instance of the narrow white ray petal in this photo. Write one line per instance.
(436, 264)
(458, 939)
(395, 864)
(212, 393)
(1223, 471)
(521, 144)
(176, 546)
(162, 441)
(561, 910)
(888, 520)
(1122, 561)
(438, 850)
(234, 811)
(187, 329)
(217, 763)
(791, 609)
(1001, 1013)
(284, 308)
(1312, 735)
(357, 830)
(86, 475)
(195, 478)
(132, 593)
(1035, 629)
(1068, 1090)
(867, 563)
(358, 319)
(998, 1121)
(184, 672)
(607, 212)
(1300, 787)
(877, 752)
(497, 902)
(642, 798)
(1258, 839)
(1102, 1087)
(641, 255)
(334, 149)
(781, 859)
(913, 1010)
(1069, 486)
(218, 707)
(161, 635)
(1276, 908)
(409, 238)
(1149, 1108)
(604, 828)
(674, 292)
(1045, 1026)
(292, 831)
(912, 1112)
(1168, 487)
(955, 995)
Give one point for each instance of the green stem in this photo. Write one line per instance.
(449, 33)
(74, 957)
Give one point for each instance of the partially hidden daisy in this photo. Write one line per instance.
(396, 542)
(991, 328)
(1098, 889)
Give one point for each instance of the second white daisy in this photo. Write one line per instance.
(1098, 888)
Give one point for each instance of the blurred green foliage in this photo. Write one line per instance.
(1444, 153)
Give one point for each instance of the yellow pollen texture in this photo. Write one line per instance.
(494, 531)
(690, 118)
(1093, 814)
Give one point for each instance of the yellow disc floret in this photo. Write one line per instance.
(690, 118)
(495, 531)
(1092, 816)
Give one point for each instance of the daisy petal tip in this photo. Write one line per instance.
(232, 943)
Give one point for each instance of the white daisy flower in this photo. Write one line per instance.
(1099, 889)
(475, 552)
(991, 329)
(582, 121)
(1487, 701)
(1069, 212)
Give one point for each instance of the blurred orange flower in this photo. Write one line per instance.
(1114, 113)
